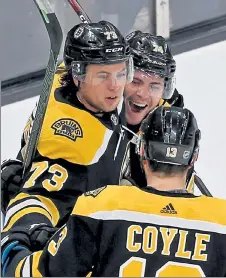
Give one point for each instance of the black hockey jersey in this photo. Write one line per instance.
(130, 232)
(77, 151)
(75, 147)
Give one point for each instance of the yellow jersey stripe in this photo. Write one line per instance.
(18, 207)
(18, 197)
(190, 186)
(18, 268)
(35, 263)
(23, 212)
(52, 209)
(48, 204)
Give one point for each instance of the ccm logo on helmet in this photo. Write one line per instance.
(114, 49)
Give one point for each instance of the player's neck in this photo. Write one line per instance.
(167, 183)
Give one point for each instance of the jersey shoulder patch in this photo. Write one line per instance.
(95, 192)
(67, 127)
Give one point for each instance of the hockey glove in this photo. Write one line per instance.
(29, 239)
(11, 176)
(39, 235)
(9, 252)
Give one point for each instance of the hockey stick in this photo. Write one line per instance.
(79, 10)
(201, 186)
(56, 36)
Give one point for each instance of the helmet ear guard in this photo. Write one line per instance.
(78, 68)
(130, 70)
(170, 85)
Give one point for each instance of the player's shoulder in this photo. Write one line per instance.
(214, 207)
(106, 198)
(112, 191)
(213, 201)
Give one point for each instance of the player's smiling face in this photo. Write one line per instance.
(142, 95)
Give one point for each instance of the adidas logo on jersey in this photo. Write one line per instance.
(169, 209)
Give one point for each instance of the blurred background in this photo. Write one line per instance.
(25, 44)
(196, 30)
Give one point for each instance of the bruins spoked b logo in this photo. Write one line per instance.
(68, 128)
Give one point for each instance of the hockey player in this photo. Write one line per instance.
(82, 141)
(153, 84)
(150, 65)
(161, 230)
(154, 77)
(153, 61)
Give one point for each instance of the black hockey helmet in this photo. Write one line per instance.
(169, 135)
(152, 54)
(96, 43)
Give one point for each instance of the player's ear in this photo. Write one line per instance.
(195, 157)
(145, 163)
(75, 81)
(196, 150)
(146, 168)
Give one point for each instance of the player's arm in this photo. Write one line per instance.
(72, 251)
(46, 199)
(45, 194)
(12, 169)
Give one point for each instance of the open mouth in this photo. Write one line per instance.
(137, 107)
(114, 97)
(111, 100)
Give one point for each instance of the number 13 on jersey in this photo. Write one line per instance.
(135, 267)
